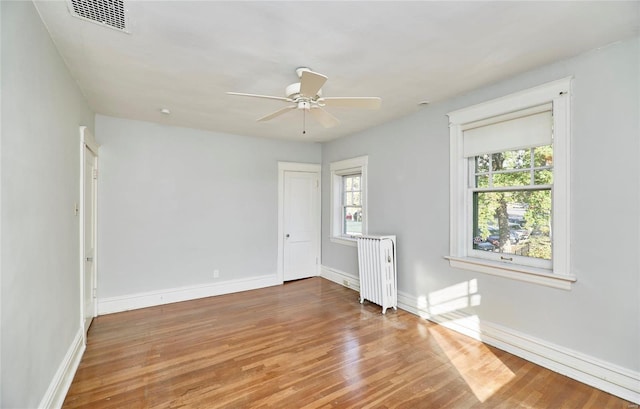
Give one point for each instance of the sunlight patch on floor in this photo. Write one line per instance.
(352, 355)
(483, 372)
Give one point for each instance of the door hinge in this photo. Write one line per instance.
(316, 260)
(95, 173)
(317, 183)
(93, 293)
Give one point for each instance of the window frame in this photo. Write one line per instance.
(559, 276)
(339, 169)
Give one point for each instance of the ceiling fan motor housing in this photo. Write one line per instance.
(302, 104)
(293, 91)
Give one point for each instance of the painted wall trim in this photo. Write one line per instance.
(88, 141)
(592, 371)
(513, 271)
(59, 386)
(128, 302)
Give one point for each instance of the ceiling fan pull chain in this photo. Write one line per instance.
(304, 121)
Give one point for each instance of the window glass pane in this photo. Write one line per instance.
(356, 182)
(512, 179)
(496, 161)
(356, 198)
(543, 177)
(347, 182)
(515, 222)
(520, 159)
(526, 159)
(352, 220)
(348, 198)
(543, 156)
(482, 181)
(482, 163)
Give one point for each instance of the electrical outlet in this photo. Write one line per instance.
(345, 283)
(216, 273)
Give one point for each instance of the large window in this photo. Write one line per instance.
(348, 197)
(511, 205)
(510, 185)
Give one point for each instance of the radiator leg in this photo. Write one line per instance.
(384, 310)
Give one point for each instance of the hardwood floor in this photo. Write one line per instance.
(306, 344)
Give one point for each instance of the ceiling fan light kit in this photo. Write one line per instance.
(306, 95)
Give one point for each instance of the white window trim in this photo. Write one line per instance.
(559, 93)
(339, 169)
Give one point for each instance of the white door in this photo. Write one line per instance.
(89, 210)
(301, 225)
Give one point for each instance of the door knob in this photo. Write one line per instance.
(287, 236)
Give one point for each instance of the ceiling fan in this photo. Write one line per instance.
(306, 95)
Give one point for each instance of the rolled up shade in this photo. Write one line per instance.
(517, 130)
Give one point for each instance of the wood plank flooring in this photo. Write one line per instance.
(306, 344)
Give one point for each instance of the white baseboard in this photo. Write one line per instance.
(340, 277)
(59, 386)
(128, 302)
(592, 371)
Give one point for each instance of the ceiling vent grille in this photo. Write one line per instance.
(110, 13)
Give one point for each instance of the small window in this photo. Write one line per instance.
(348, 197)
(352, 205)
(510, 186)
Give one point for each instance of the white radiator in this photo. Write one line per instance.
(377, 266)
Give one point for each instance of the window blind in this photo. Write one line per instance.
(516, 130)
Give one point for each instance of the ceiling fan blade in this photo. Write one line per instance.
(277, 113)
(352, 102)
(326, 119)
(310, 83)
(260, 96)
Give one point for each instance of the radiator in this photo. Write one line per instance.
(377, 268)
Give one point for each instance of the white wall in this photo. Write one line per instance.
(40, 162)
(409, 196)
(177, 203)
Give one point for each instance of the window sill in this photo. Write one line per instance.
(345, 240)
(516, 272)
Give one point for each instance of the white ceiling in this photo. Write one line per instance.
(184, 55)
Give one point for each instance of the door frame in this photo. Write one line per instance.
(297, 167)
(87, 141)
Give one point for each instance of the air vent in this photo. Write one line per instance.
(110, 13)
